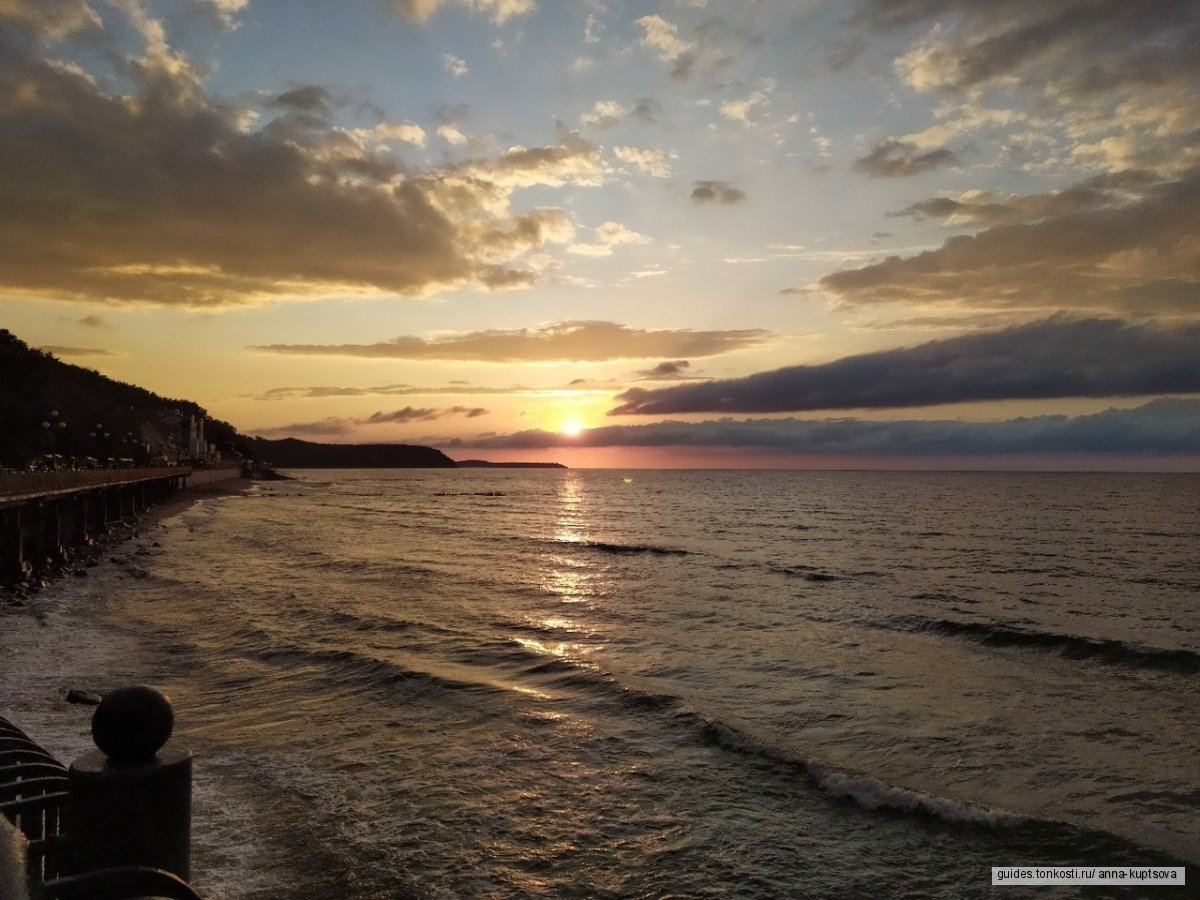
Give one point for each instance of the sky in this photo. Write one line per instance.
(653, 233)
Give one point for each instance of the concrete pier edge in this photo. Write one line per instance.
(44, 516)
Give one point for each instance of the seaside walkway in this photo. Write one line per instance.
(44, 513)
(22, 488)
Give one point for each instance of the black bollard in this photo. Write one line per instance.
(131, 800)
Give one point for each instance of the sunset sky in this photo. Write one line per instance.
(669, 232)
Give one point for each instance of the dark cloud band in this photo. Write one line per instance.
(582, 341)
(1159, 428)
(1057, 357)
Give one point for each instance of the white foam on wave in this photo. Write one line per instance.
(863, 790)
(870, 793)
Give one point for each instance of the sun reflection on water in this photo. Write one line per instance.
(569, 583)
(561, 649)
(571, 522)
(559, 575)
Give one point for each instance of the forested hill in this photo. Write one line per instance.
(48, 406)
(290, 453)
(34, 384)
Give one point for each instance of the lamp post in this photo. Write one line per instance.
(52, 427)
(100, 439)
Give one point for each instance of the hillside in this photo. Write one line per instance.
(37, 388)
(51, 407)
(291, 453)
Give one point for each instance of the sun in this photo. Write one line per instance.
(571, 427)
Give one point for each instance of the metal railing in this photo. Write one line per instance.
(34, 483)
(65, 815)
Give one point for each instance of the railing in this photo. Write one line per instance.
(66, 817)
(53, 482)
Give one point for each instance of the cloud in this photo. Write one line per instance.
(986, 208)
(225, 10)
(1057, 357)
(1137, 258)
(580, 341)
(604, 114)
(455, 65)
(993, 44)
(93, 322)
(663, 38)
(739, 110)
(162, 193)
(75, 351)
(716, 192)
(164, 197)
(451, 135)
(386, 132)
(500, 11)
(321, 392)
(573, 160)
(668, 370)
(412, 414)
(1113, 81)
(656, 163)
(332, 426)
(337, 426)
(51, 19)
(1159, 428)
(899, 159)
(648, 110)
(609, 236)
(310, 98)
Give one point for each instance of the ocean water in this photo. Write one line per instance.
(557, 683)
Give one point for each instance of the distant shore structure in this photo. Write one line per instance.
(484, 464)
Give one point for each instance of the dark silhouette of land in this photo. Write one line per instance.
(52, 408)
(484, 464)
(290, 453)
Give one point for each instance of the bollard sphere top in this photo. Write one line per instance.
(131, 724)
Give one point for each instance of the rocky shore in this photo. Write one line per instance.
(112, 545)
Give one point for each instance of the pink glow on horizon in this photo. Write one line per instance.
(743, 458)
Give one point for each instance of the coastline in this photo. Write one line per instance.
(80, 558)
(73, 633)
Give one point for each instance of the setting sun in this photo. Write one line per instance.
(571, 427)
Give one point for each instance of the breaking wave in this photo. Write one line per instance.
(1069, 646)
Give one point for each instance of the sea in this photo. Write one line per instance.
(526, 683)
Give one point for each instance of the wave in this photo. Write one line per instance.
(808, 573)
(363, 670)
(335, 622)
(558, 671)
(1069, 646)
(605, 547)
(588, 683)
(1015, 830)
(863, 790)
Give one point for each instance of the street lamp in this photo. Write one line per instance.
(52, 427)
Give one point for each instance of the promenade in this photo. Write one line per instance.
(22, 487)
(43, 514)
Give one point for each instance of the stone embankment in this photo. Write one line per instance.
(45, 515)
